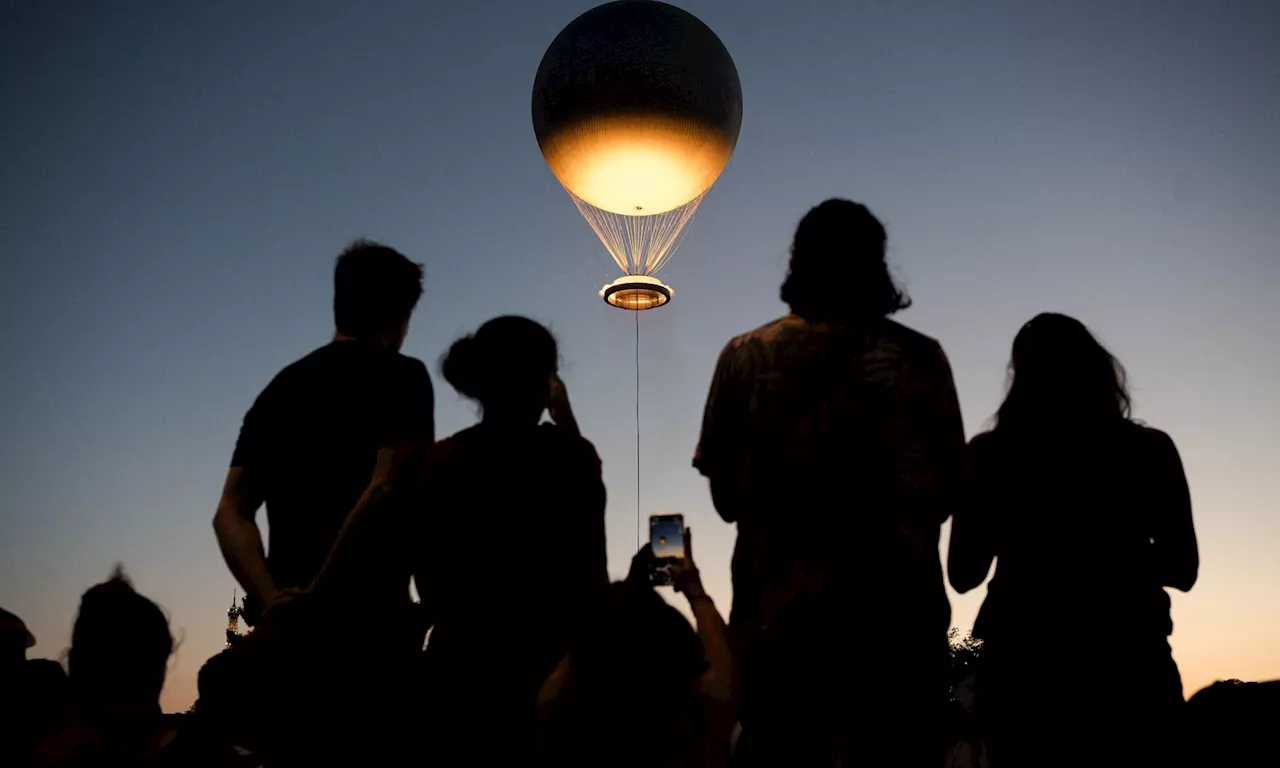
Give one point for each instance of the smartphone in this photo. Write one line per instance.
(666, 540)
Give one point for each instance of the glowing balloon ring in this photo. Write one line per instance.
(636, 292)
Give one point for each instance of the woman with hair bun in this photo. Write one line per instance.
(507, 543)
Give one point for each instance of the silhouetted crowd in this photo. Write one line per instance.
(831, 437)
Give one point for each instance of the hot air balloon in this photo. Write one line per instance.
(637, 108)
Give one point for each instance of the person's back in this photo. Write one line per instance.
(1088, 517)
(833, 438)
(313, 438)
(507, 541)
(1072, 524)
(837, 443)
(527, 502)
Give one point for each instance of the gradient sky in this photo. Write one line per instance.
(176, 179)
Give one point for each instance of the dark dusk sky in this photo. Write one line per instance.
(177, 178)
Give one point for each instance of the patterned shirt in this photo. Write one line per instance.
(840, 447)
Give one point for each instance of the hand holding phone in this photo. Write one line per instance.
(684, 573)
(667, 543)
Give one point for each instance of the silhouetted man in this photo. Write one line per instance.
(832, 437)
(326, 434)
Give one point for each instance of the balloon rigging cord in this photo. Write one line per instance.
(637, 314)
(639, 245)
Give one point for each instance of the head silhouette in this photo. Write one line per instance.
(1062, 377)
(506, 366)
(838, 271)
(120, 647)
(15, 639)
(375, 289)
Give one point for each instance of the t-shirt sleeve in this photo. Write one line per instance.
(719, 444)
(408, 413)
(251, 443)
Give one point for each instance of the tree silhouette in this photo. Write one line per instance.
(965, 651)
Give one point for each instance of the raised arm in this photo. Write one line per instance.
(559, 408)
(1174, 537)
(717, 681)
(720, 684)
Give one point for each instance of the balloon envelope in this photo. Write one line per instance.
(637, 107)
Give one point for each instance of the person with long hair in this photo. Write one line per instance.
(832, 437)
(1088, 516)
(506, 542)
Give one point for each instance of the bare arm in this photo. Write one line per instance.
(717, 681)
(719, 685)
(366, 507)
(239, 538)
(969, 555)
(559, 409)
(1177, 553)
(972, 550)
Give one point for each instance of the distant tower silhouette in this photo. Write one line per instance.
(233, 620)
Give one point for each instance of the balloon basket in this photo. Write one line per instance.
(636, 293)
